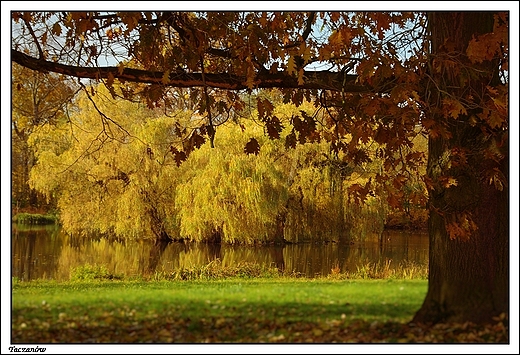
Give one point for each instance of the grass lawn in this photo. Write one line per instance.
(234, 310)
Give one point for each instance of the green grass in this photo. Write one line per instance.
(35, 218)
(228, 310)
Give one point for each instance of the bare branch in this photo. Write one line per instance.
(31, 31)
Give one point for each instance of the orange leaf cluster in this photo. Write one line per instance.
(460, 226)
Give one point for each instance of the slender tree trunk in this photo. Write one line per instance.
(468, 275)
(156, 222)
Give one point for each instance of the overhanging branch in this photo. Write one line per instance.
(324, 80)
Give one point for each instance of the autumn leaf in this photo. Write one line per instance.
(493, 118)
(110, 80)
(335, 38)
(496, 120)
(109, 33)
(265, 108)
(252, 147)
(306, 54)
(195, 141)
(166, 77)
(290, 140)
(178, 156)
(453, 108)
(496, 178)
(306, 128)
(460, 226)
(274, 68)
(300, 77)
(250, 79)
(359, 192)
(198, 140)
(448, 181)
(291, 65)
(399, 181)
(393, 200)
(56, 29)
(274, 127)
(483, 48)
(16, 16)
(153, 93)
(121, 68)
(458, 157)
(415, 157)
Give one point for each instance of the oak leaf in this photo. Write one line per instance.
(291, 65)
(265, 108)
(252, 147)
(56, 29)
(453, 108)
(290, 140)
(166, 77)
(483, 48)
(274, 127)
(178, 156)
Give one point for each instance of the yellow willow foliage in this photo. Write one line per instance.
(253, 198)
(228, 192)
(100, 170)
(320, 207)
(115, 175)
(117, 257)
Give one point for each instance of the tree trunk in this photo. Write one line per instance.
(156, 222)
(468, 275)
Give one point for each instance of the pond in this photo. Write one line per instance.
(49, 253)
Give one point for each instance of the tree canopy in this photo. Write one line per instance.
(374, 80)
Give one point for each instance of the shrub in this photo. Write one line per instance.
(215, 270)
(35, 218)
(89, 272)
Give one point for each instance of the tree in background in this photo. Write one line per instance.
(114, 168)
(383, 75)
(111, 173)
(38, 100)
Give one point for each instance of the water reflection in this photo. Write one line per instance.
(47, 253)
(156, 252)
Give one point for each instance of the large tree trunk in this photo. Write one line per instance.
(468, 275)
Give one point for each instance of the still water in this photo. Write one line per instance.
(48, 253)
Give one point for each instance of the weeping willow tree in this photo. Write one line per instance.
(273, 194)
(117, 168)
(109, 167)
(325, 203)
(228, 196)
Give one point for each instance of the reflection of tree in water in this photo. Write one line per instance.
(205, 252)
(157, 250)
(35, 252)
(214, 251)
(41, 253)
(23, 263)
(277, 255)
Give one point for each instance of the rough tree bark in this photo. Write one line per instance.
(468, 279)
